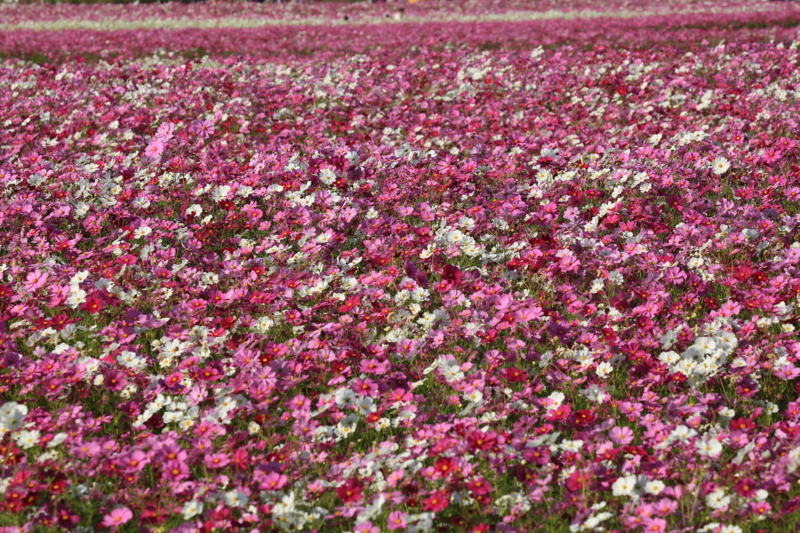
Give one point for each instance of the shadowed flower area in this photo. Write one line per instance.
(489, 266)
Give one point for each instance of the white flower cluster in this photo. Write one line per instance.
(705, 357)
(178, 412)
(452, 370)
(77, 295)
(633, 486)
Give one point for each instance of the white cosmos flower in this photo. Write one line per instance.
(705, 345)
(624, 486)
(191, 509)
(220, 193)
(669, 358)
(680, 433)
(142, 231)
(236, 498)
(27, 439)
(709, 447)
(79, 277)
(695, 262)
(597, 285)
(12, 415)
(718, 499)
(454, 237)
(720, 165)
(76, 297)
(554, 401)
(474, 396)
(344, 398)
(604, 369)
(654, 487)
(327, 176)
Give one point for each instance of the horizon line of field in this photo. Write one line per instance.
(245, 22)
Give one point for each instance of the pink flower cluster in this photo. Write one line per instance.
(430, 288)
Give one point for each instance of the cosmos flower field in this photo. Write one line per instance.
(474, 267)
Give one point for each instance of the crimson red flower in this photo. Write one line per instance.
(350, 491)
(92, 304)
(444, 466)
(479, 486)
(745, 488)
(743, 424)
(577, 480)
(438, 501)
(452, 274)
(584, 417)
(66, 518)
(515, 375)
(478, 440)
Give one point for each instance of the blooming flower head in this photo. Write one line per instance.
(396, 520)
(720, 165)
(624, 486)
(154, 149)
(438, 501)
(117, 517)
(708, 447)
(165, 131)
(202, 128)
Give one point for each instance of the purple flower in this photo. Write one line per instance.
(202, 128)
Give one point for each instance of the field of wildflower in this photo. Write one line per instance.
(466, 267)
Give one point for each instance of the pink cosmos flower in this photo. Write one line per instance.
(621, 435)
(35, 280)
(366, 527)
(373, 366)
(174, 471)
(154, 149)
(665, 506)
(273, 481)
(761, 508)
(787, 372)
(216, 460)
(117, 517)
(395, 477)
(202, 128)
(396, 520)
(792, 254)
(365, 387)
(730, 308)
(655, 525)
(135, 461)
(164, 132)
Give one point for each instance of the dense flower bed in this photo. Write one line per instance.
(423, 287)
